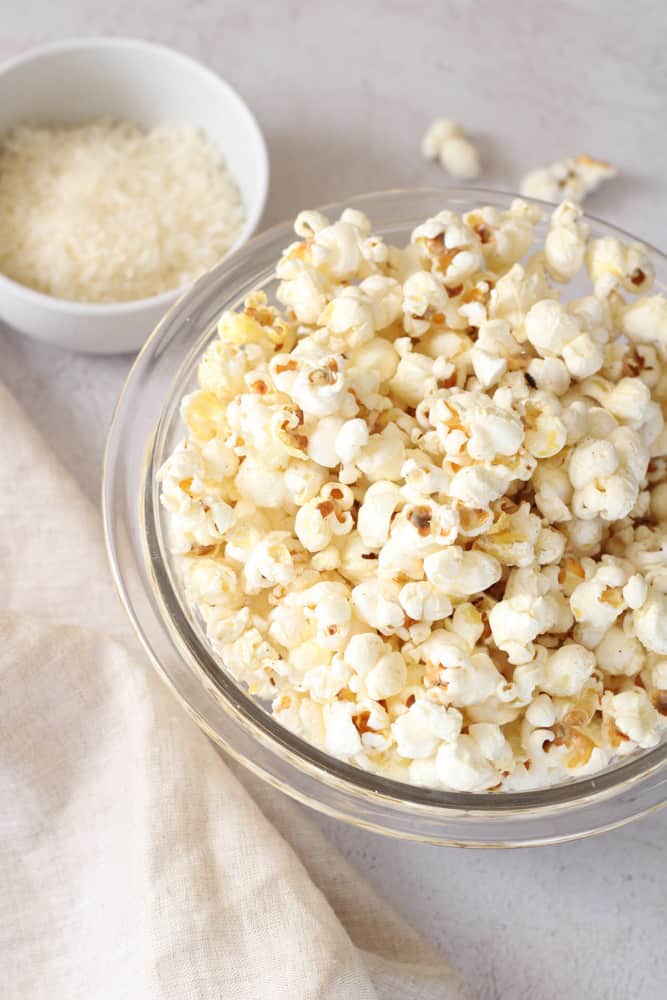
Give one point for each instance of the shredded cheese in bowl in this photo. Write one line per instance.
(109, 212)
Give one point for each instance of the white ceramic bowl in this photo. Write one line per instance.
(124, 78)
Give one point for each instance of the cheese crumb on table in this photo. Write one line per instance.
(420, 504)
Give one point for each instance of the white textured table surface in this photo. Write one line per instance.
(343, 95)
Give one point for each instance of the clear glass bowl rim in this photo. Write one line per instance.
(566, 811)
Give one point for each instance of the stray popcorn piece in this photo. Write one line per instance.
(421, 510)
(460, 158)
(437, 134)
(447, 141)
(572, 179)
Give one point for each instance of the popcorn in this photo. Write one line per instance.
(465, 677)
(319, 389)
(324, 682)
(659, 502)
(515, 292)
(378, 356)
(491, 741)
(573, 179)
(303, 481)
(424, 301)
(342, 737)
(357, 563)
(463, 767)
(407, 384)
(383, 456)
(446, 140)
(567, 670)
(634, 716)
(364, 650)
(386, 299)
(628, 400)
(438, 132)
(515, 622)
(269, 563)
(468, 623)
(387, 677)
(350, 315)
(309, 223)
(212, 584)
(420, 730)
(645, 321)
(358, 219)
(460, 158)
(376, 512)
(461, 573)
(565, 245)
(505, 236)
(553, 492)
(335, 250)
(305, 294)
(550, 328)
(593, 459)
(222, 369)
(599, 601)
(326, 559)
(550, 546)
(494, 348)
(323, 517)
(376, 602)
(203, 415)
(491, 430)
(453, 250)
(322, 442)
(422, 511)
(650, 622)
(424, 603)
(329, 603)
(513, 538)
(611, 264)
(619, 654)
(582, 356)
(541, 712)
(659, 675)
(635, 591)
(477, 486)
(606, 475)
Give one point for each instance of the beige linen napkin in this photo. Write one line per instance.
(133, 862)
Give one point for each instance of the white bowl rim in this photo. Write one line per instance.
(36, 298)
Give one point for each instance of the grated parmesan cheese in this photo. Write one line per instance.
(109, 212)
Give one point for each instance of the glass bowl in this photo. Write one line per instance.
(146, 427)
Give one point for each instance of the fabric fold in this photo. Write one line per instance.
(134, 861)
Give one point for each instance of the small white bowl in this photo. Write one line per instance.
(127, 79)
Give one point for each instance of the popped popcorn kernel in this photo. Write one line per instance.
(572, 179)
(420, 506)
(445, 140)
(565, 245)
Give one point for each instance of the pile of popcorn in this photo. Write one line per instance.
(422, 507)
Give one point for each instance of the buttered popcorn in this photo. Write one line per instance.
(421, 506)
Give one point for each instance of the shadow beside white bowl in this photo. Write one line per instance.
(127, 79)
